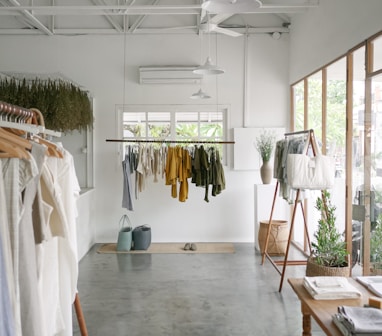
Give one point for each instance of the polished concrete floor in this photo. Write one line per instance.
(187, 294)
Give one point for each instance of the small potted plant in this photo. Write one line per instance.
(329, 256)
(265, 144)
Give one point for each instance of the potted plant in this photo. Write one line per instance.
(264, 145)
(329, 255)
(376, 248)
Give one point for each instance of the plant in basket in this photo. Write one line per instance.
(329, 255)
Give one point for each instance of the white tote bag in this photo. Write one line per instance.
(310, 172)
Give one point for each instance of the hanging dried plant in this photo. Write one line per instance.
(64, 106)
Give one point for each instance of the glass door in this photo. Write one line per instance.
(367, 160)
(356, 83)
(375, 236)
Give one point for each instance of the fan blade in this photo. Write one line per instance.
(226, 31)
(220, 18)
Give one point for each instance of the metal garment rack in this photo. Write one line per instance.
(285, 262)
(22, 118)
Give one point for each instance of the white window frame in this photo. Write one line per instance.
(173, 109)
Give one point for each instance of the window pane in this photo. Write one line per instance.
(159, 124)
(376, 179)
(187, 125)
(211, 124)
(134, 124)
(298, 93)
(314, 116)
(315, 105)
(377, 53)
(358, 208)
(336, 134)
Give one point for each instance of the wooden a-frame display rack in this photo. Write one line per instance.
(265, 254)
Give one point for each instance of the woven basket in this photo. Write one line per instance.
(312, 269)
(278, 237)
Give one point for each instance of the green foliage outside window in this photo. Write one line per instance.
(376, 242)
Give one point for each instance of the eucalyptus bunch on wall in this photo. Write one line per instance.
(65, 107)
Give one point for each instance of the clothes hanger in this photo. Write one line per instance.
(16, 136)
(10, 150)
(15, 139)
(13, 145)
(53, 149)
(10, 135)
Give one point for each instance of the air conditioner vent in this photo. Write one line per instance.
(168, 75)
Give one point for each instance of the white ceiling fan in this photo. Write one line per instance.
(223, 10)
(231, 6)
(212, 25)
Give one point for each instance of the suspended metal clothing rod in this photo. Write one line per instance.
(171, 141)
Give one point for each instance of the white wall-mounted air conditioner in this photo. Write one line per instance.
(168, 75)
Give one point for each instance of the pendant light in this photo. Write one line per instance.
(200, 94)
(208, 68)
(231, 6)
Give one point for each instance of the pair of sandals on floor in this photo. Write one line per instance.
(190, 247)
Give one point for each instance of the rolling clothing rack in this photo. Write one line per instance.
(32, 121)
(285, 262)
(171, 141)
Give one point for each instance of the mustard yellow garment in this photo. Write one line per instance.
(184, 175)
(178, 168)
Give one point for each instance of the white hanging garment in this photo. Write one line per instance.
(16, 174)
(7, 292)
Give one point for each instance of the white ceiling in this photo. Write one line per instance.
(95, 17)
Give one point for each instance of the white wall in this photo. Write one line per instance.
(96, 63)
(323, 34)
(85, 223)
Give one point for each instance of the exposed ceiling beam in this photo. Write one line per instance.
(152, 31)
(103, 10)
(31, 18)
(109, 18)
(139, 10)
(140, 19)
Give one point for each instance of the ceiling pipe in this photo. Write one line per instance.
(245, 91)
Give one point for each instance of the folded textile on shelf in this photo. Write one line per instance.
(330, 288)
(358, 321)
(338, 320)
(373, 283)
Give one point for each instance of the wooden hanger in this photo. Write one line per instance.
(25, 144)
(38, 119)
(12, 135)
(10, 150)
(52, 148)
(15, 139)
